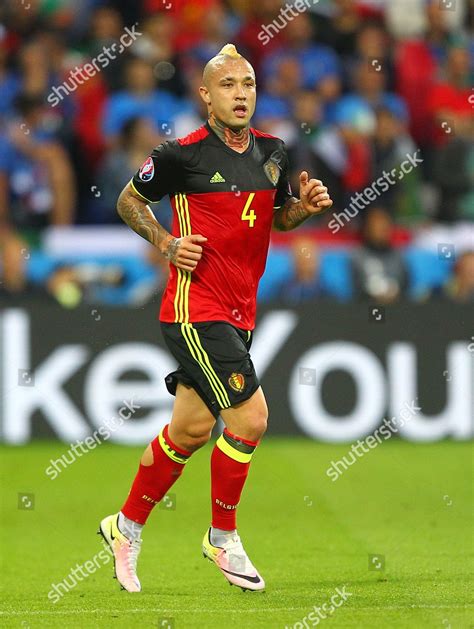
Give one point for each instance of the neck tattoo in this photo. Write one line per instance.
(236, 139)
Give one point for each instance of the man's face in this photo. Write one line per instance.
(231, 92)
(139, 76)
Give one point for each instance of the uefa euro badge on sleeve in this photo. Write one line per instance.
(147, 171)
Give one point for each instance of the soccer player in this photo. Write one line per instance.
(228, 184)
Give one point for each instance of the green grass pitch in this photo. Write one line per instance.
(409, 504)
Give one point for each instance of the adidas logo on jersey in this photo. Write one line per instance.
(217, 178)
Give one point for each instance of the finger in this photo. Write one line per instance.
(320, 197)
(184, 266)
(197, 238)
(316, 191)
(310, 186)
(182, 259)
(189, 247)
(189, 255)
(315, 183)
(324, 205)
(304, 178)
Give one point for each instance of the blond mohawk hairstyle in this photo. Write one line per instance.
(230, 51)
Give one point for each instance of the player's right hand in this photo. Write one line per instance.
(185, 252)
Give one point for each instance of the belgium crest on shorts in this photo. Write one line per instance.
(237, 382)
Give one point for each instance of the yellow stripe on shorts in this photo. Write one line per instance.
(200, 355)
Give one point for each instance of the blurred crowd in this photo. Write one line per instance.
(355, 88)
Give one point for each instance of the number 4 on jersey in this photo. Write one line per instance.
(247, 215)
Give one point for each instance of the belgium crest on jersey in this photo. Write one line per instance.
(272, 170)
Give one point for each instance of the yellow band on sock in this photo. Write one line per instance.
(241, 457)
(168, 450)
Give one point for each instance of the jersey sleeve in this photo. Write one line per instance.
(160, 173)
(284, 188)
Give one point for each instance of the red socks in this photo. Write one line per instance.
(153, 481)
(230, 462)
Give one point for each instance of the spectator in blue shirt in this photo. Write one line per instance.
(369, 83)
(140, 98)
(137, 140)
(319, 65)
(36, 178)
(304, 284)
(9, 86)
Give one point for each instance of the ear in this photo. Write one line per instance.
(204, 92)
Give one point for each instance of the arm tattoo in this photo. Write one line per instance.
(141, 219)
(290, 215)
(171, 252)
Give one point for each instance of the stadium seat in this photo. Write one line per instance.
(426, 271)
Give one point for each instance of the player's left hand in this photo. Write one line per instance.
(314, 195)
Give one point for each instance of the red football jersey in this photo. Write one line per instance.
(229, 198)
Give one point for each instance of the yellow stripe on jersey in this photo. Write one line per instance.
(183, 282)
(132, 186)
(186, 296)
(179, 312)
(179, 209)
(181, 309)
(200, 355)
(178, 279)
(176, 297)
(187, 284)
(186, 211)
